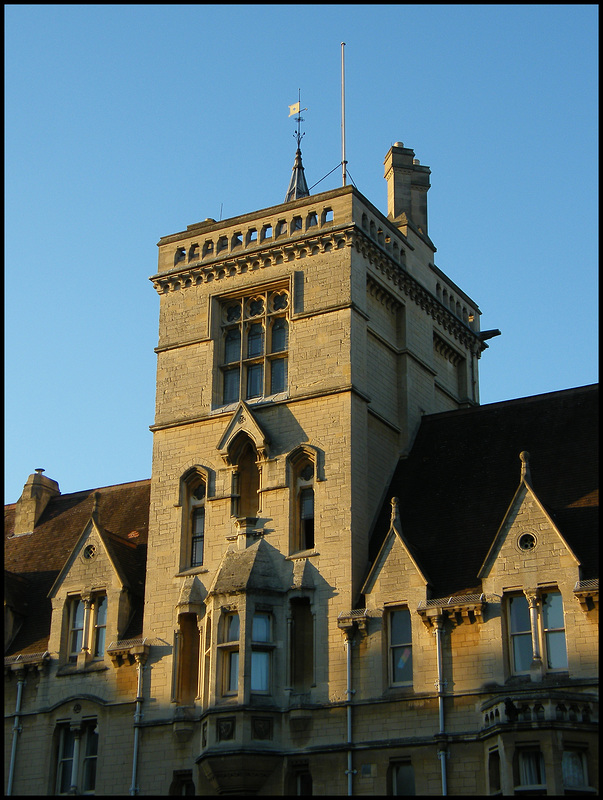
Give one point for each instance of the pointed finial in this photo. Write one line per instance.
(395, 518)
(524, 457)
(97, 497)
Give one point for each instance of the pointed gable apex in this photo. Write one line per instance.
(92, 527)
(243, 421)
(394, 534)
(524, 489)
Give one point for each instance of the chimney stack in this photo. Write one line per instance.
(407, 186)
(36, 493)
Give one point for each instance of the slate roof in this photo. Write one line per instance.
(33, 561)
(457, 483)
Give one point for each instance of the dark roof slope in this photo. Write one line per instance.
(38, 557)
(463, 470)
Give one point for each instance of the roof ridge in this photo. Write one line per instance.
(529, 398)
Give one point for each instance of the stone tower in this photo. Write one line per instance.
(299, 346)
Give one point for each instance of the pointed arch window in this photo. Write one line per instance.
(255, 333)
(246, 481)
(302, 510)
(193, 497)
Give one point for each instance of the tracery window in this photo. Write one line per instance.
(255, 340)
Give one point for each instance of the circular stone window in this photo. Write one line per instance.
(527, 541)
(89, 551)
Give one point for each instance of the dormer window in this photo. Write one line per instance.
(87, 627)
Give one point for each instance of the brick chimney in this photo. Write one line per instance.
(36, 493)
(407, 186)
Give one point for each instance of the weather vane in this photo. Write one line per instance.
(296, 109)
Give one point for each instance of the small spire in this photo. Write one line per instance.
(297, 185)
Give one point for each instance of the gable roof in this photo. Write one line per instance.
(456, 484)
(39, 557)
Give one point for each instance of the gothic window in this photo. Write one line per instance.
(545, 638)
(246, 482)
(303, 505)
(193, 497)
(255, 333)
(302, 645)
(77, 748)
(402, 778)
(229, 649)
(400, 647)
(261, 652)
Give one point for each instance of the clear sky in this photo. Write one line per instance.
(125, 123)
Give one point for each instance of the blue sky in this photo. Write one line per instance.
(127, 123)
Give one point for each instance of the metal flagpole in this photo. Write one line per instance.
(343, 161)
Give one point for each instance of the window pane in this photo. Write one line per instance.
(198, 521)
(520, 614)
(260, 630)
(400, 627)
(255, 378)
(232, 628)
(306, 502)
(89, 776)
(279, 335)
(572, 765)
(231, 385)
(260, 671)
(555, 650)
(233, 671)
(531, 768)
(99, 645)
(522, 652)
(402, 664)
(255, 340)
(403, 779)
(65, 776)
(232, 346)
(101, 611)
(552, 611)
(197, 551)
(278, 375)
